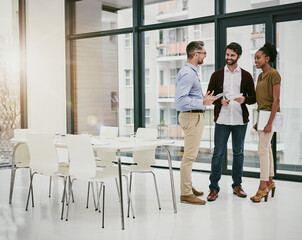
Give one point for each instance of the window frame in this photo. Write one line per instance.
(221, 19)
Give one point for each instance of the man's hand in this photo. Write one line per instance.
(208, 99)
(240, 100)
(225, 102)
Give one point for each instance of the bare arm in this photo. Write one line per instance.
(276, 96)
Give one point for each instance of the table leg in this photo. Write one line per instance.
(13, 172)
(171, 178)
(121, 188)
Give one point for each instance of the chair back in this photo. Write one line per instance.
(107, 157)
(21, 153)
(21, 133)
(43, 154)
(81, 157)
(108, 132)
(145, 158)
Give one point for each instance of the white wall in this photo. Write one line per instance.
(46, 84)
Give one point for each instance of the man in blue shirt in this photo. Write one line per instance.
(191, 103)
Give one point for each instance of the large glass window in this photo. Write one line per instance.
(165, 56)
(106, 72)
(9, 77)
(175, 10)
(289, 143)
(101, 85)
(245, 36)
(95, 15)
(240, 5)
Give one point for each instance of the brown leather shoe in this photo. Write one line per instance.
(212, 195)
(239, 192)
(192, 199)
(197, 193)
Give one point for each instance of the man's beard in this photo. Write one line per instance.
(200, 62)
(232, 61)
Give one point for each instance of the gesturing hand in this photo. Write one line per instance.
(208, 98)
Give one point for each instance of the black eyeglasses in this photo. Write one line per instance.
(205, 53)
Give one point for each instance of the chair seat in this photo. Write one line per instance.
(64, 164)
(100, 163)
(100, 175)
(140, 168)
(104, 175)
(62, 171)
(22, 165)
(114, 170)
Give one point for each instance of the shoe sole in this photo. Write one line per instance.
(238, 195)
(192, 203)
(210, 200)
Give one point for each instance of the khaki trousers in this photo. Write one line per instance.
(192, 125)
(265, 155)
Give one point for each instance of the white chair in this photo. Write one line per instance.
(144, 159)
(83, 167)
(44, 160)
(20, 156)
(105, 159)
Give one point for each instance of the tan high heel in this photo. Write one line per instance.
(271, 187)
(262, 193)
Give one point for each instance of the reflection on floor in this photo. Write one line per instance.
(229, 217)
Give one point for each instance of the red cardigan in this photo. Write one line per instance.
(247, 88)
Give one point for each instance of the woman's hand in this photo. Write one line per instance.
(255, 127)
(267, 128)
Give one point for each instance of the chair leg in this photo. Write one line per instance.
(155, 184)
(103, 208)
(70, 189)
(118, 191)
(99, 195)
(64, 193)
(97, 189)
(29, 191)
(129, 197)
(130, 185)
(49, 192)
(93, 195)
(88, 194)
(12, 183)
(32, 193)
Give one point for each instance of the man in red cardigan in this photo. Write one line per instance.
(231, 116)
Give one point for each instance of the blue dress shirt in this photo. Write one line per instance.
(188, 92)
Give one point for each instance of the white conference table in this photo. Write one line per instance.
(118, 145)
